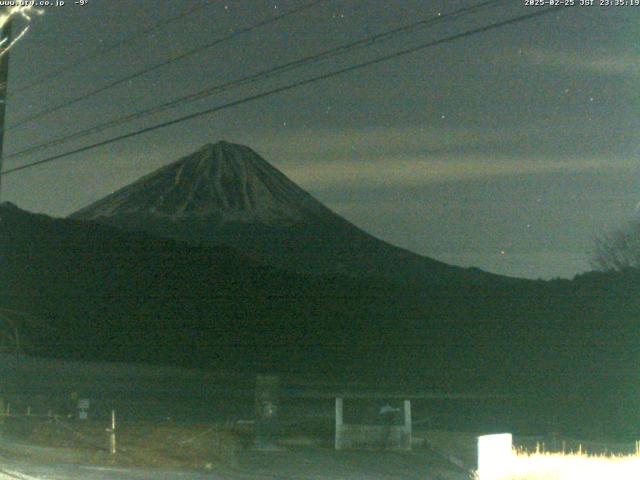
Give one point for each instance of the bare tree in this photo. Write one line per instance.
(618, 250)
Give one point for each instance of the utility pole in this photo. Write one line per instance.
(4, 78)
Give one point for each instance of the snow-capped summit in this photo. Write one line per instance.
(227, 181)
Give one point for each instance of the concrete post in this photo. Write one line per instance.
(267, 407)
(407, 415)
(339, 423)
(112, 434)
(407, 423)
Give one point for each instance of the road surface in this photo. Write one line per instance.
(303, 464)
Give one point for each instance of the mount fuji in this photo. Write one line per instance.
(227, 194)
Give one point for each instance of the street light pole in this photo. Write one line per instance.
(4, 78)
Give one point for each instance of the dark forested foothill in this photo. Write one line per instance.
(96, 292)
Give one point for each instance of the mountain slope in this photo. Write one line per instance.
(226, 194)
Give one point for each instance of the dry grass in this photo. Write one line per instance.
(572, 466)
(169, 445)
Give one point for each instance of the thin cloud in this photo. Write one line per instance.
(345, 142)
(600, 64)
(330, 145)
(417, 171)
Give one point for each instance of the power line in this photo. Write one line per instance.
(57, 73)
(329, 53)
(335, 73)
(157, 66)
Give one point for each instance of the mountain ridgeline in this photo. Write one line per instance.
(226, 194)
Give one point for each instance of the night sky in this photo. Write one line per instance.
(509, 150)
